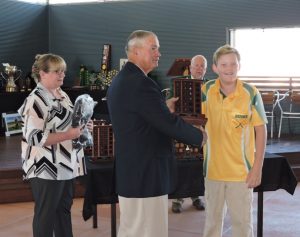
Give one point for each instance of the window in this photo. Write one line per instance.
(268, 52)
(34, 1)
(80, 1)
(71, 1)
(66, 1)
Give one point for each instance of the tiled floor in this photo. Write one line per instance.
(281, 218)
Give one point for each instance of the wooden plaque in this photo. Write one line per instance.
(189, 104)
(106, 57)
(103, 148)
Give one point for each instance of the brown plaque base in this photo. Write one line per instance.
(197, 119)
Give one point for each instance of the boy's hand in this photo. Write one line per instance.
(254, 177)
(204, 136)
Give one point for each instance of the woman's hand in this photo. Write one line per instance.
(70, 134)
(90, 125)
(73, 133)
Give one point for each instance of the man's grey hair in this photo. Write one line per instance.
(198, 56)
(136, 38)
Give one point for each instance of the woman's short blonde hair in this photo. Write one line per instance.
(47, 62)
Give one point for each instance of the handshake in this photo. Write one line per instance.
(199, 121)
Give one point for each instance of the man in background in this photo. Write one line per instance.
(198, 67)
(197, 71)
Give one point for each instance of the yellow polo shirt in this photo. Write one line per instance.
(229, 152)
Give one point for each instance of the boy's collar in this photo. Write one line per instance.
(237, 90)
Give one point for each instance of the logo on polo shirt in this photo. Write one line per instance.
(241, 116)
(240, 120)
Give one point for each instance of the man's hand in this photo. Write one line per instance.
(90, 125)
(171, 103)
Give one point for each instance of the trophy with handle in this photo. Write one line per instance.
(11, 74)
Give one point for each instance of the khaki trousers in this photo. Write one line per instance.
(143, 217)
(237, 198)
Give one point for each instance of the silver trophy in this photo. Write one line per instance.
(11, 74)
(93, 79)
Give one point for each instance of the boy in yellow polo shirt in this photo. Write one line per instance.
(234, 152)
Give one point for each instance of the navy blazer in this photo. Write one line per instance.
(143, 129)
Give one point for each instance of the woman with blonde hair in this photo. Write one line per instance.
(49, 161)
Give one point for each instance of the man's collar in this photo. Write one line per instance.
(138, 67)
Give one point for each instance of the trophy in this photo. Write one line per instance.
(93, 79)
(11, 74)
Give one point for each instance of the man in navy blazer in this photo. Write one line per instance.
(144, 126)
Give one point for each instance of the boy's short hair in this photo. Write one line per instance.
(225, 49)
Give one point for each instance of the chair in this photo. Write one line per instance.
(270, 99)
(288, 110)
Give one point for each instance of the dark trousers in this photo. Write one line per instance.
(180, 200)
(52, 211)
